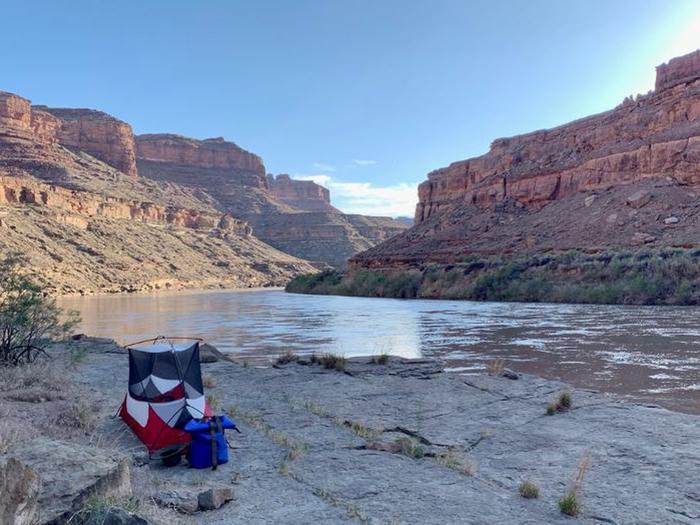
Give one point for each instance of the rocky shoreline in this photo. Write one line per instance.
(390, 441)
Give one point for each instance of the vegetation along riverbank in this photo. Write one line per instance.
(648, 276)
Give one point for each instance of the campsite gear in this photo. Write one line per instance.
(165, 392)
(209, 447)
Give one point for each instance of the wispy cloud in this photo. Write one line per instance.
(365, 198)
(320, 166)
(361, 162)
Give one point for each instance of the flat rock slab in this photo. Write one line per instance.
(69, 474)
(372, 444)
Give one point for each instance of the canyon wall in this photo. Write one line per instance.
(208, 153)
(620, 180)
(652, 135)
(303, 194)
(14, 190)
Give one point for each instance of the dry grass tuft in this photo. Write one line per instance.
(78, 414)
(562, 404)
(330, 361)
(286, 358)
(209, 381)
(380, 359)
(495, 367)
(451, 460)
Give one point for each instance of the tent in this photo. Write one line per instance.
(165, 392)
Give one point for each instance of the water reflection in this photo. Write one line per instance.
(648, 353)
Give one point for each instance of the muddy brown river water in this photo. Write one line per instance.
(646, 353)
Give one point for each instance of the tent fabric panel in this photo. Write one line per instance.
(165, 347)
(156, 434)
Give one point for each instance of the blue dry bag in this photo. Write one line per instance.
(209, 447)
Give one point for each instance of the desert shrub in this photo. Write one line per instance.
(326, 282)
(28, 319)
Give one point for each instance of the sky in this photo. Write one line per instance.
(363, 96)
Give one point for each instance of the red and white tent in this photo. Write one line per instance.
(165, 392)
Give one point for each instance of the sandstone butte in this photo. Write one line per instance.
(291, 215)
(69, 173)
(621, 178)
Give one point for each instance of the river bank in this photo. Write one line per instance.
(662, 276)
(381, 443)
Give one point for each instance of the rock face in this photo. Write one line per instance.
(98, 134)
(70, 201)
(603, 181)
(302, 194)
(290, 215)
(208, 153)
(654, 135)
(19, 486)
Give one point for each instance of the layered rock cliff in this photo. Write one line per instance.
(302, 194)
(586, 174)
(71, 201)
(292, 215)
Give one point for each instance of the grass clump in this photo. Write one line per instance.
(380, 359)
(411, 448)
(529, 490)
(209, 381)
(286, 358)
(562, 404)
(330, 361)
(569, 504)
(451, 460)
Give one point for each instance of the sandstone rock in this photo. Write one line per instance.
(19, 493)
(70, 474)
(97, 133)
(640, 238)
(214, 498)
(589, 154)
(183, 502)
(209, 153)
(302, 194)
(210, 354)
(639, 199)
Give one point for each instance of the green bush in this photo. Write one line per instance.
(29, 320)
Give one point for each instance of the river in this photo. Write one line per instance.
(646, 353)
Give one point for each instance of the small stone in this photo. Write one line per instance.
(509, 374)
(209, 353)
(640, 238)
(671, 220)
(183, 503)
(639, 199)
(213, 499)
(588, 201)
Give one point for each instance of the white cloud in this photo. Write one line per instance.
(322, 167)
(360, 162)
(367, 199)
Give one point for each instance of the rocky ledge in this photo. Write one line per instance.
(402, 442)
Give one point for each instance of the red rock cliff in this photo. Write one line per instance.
(302, 194)
(208, 153)
(96, 133)
(654, 135)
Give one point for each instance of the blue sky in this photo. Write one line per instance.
(366, 96)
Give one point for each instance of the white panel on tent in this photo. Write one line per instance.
(169, 412)
(196, 406)
(164, 385)
(137, 409)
